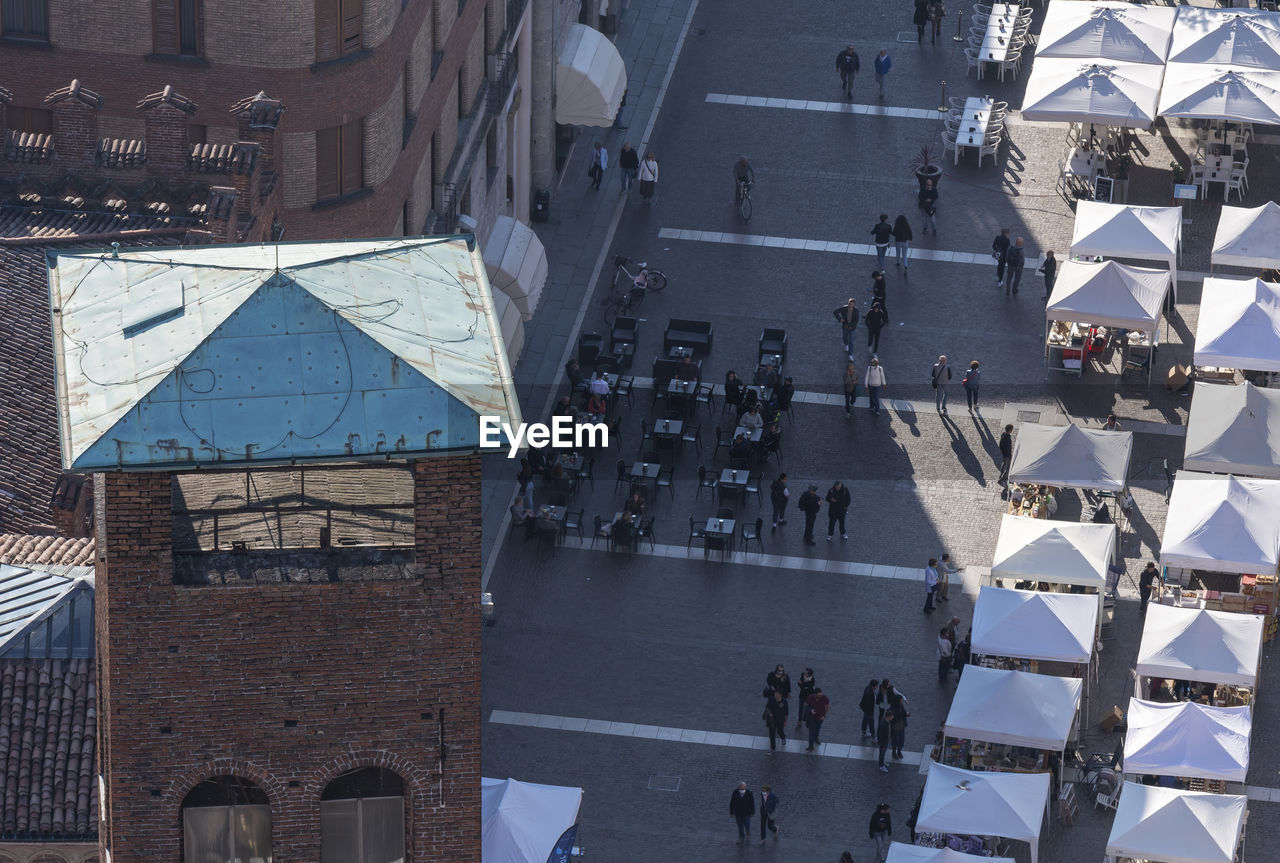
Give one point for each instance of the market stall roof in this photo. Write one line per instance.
(1234, 429)
(1195, 644)
(1110, 294)
(521, 822)
(1187, 739)
(1246, 236)
(1122, 231)
(1234, 37)
(1014, 707)
(1071, 457)
(1031, 624)
(1173, 826)
(1222, 523)
(1109, 31)
(591, 79)
(1011, 805)
(902, 853)
(1067, 90)
(1239, 326)
(1216, 92)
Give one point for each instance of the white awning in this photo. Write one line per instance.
(1201, 645)
(1239, 326)
(1014, 707)
(1119, 231)
(1173, 826)
(516, 263)
(1072, 90)
(1110, 294)
(1011, 805)
(901, 853)
(1221, 93)
(1234, 37)
(1032, 624)
(521, 822)
(510, 324)
(1109, 31)
(1246, 237)
(1188, 739)
(1071, 456)
(1234, 429)
(590, 79)
(1222, 524)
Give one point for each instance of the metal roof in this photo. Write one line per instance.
(29, 594)
(268, 353)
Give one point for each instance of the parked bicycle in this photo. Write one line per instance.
(644, 277)
(744, 199)
(625, 300)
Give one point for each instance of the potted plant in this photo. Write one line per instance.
(925, 166)
(1178, 172)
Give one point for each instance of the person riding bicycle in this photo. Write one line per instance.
(742, 173)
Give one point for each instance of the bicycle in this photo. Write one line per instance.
(625, 303)
(645, 276)
(744, 199)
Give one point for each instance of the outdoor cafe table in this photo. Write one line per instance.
(721, 529)
(733, 480)
(1216, 169)
(646, 471)
(973, 125)
(682, 390)
(1084, 162)
(753, 435)
(668, 428)
(546, 513)
(996, 41)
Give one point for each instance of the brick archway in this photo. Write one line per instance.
(276, 790)
(417, 781)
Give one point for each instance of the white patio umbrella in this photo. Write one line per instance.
(1108, 31)
(1066, 90)
(1230, 37)
(1216, 92)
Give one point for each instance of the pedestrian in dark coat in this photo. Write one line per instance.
(875, 321)
(768, 806)
(972, 380)
(629, 165)
(819, 706)
(920, 18)
(882, 740)
(1049, 269)
(779, 494)
(778, 681)
(742, 805)
(847, 315)
(881, 830)
(867, 704)
(809, 504)
(838, 501)
(805, 685)
(1000, 251)
(927, 201)
(1006, 453)
(964, 650)
(902, 238)
(878, 293)
(847, 65)
(775, 718)
(1015, 262)
(896, 716)
(882, 234)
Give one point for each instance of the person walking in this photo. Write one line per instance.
(881, 830)
(897, 717)
(937, 14)
(1049, 269)
(779, 495)
(941, 376)
(838, 501)
(879, 292)
(902, 241)
(599, 164)
(1149, 576)
(867, 704)
(1006, 454)
(819, 706)
(1112, 424)
(886, 694)
(1000, 250)
(776, 709)
(628, 167)
(847, 65)
(972, 380)
(930, 584)
(850, 388)
(927, 202)
(778, 681)
(742, 805)
(882, 233)
(882, 738)
(805, 686)
(875, 373)
(920, 18)
(847, 315)
(945, 649)
(1015, 261)
(963, 650)
(648, 175)
(875, 320)
(883, 64)
(768, 806)
(946, 568)
(809, 504)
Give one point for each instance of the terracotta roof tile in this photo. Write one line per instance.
(17, 549)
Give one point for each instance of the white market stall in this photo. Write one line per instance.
(965, 802)
(1239, 325)
(1071, 457)
(995, 709)
(1138, 233)
(1072, 90)
(1246, 236)
(1164, 825)
(1218, 647)
(1215, 92)
(1231, 37)
(522, 822)
(1234, 429)
(1088, 295)
(1187, 739)
(1222, 524)
(1108, 31)
(902, 853)
(1046, 627)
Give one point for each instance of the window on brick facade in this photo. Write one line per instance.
(176, 25)
(29, 120)
(339, 160)
(226, 818)
(362, 817)
(25, 19)
(339, 26)
(197, 133)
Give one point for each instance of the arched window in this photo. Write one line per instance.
(226, 819)
(362, 818)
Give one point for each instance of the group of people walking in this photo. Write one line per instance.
(812, 710)
(630, 169)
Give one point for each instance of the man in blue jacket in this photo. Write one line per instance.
(883, 65)
(742, 805)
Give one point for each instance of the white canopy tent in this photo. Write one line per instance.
(1068, 90)
(901, 853)
(1014, 707)
(1120, 231)
(590, 78)
(1071, 457)
(1187, 739)
(1246, 237)
(1009, 805)
(1108, 31)
(1234, 429)
(1172, 826)
(1239, 325)
(1200, 645)
(521, 822)
(1222, 523)
(1110, 294)
(1028, 624)
(1218, 92)
(1232, 37)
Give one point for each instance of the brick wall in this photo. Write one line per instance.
(126, 30)
(420, 60)
(421, 200)
(283, 39)
(473, 70)
(383, 134)
(363, 669)
(299, 160)
(379, 19)
(122, 127)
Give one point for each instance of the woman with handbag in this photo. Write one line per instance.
(649, 177)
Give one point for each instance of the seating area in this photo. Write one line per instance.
(975, 123)
(997, 38)
(695, 335)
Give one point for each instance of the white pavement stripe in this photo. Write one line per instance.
(689, 735)
(824, 107)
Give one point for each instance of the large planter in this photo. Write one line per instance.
(933, 172)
